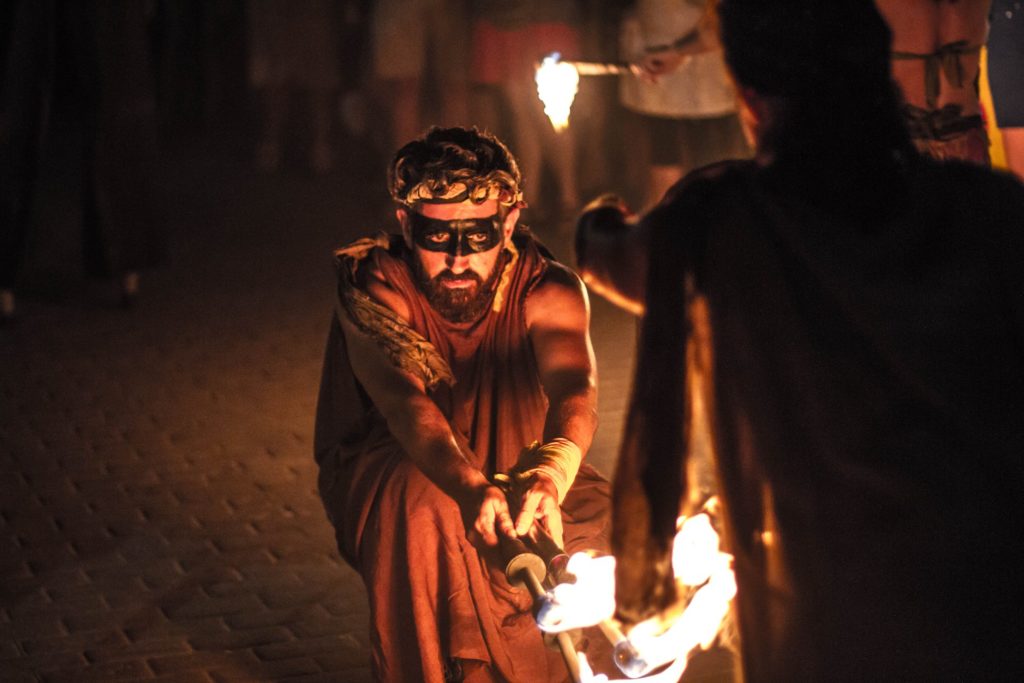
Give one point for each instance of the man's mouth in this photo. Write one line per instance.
(453, 281)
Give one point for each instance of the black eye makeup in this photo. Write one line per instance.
(457, 237)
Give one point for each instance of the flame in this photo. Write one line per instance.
(587, 602)
(557, 83)
(697, 626)
(695, 550)
(697, 562)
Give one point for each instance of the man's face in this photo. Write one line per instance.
(456, 250)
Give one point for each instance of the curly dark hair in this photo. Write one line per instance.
(453, 164)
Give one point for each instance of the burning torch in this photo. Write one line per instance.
(558, 82)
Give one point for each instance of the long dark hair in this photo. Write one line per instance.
(823, 65)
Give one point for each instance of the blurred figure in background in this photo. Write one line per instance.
(1006, 77)
(510, 37)
(936, 53)
(86, 66)
(293, 48)
(685, 105)
(416, 42)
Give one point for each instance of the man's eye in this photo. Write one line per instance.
(477, 237)
(437, 237)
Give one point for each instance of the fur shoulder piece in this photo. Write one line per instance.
(403, 346)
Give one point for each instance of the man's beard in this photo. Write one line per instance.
(459, 304)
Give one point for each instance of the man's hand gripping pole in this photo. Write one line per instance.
(529, 561)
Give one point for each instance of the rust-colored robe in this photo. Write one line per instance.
(433, 596)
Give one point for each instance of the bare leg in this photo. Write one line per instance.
(1013, 145)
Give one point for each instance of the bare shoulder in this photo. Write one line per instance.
(560, 298)
(381, 291)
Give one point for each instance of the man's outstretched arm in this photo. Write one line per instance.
(426, 436)
(558, 323)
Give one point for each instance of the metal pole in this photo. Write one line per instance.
(522, 570)
(600, 68)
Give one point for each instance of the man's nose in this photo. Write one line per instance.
(457, 263)
(456, 247)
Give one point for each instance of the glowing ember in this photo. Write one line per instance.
(557, 83)
(697, 563)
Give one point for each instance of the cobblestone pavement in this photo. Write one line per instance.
(158, 517)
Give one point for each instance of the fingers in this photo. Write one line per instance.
(505, 524)
(528, 512)
(639, 69)
(494, 517)
(485, 524)
(553, 522)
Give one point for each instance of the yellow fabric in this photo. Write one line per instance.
(995, 150)
(506, 275)
(403, 346)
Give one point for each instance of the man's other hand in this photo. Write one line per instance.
(656, 64)
(540, 503)
(485, 514)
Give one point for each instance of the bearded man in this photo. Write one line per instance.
(842, 320)
(455, 346)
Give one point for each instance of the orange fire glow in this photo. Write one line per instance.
(698, 564)
(557, 83)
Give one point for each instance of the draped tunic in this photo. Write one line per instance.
(434, 596)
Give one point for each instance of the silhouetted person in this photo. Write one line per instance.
(842, 319)
(93, 59)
